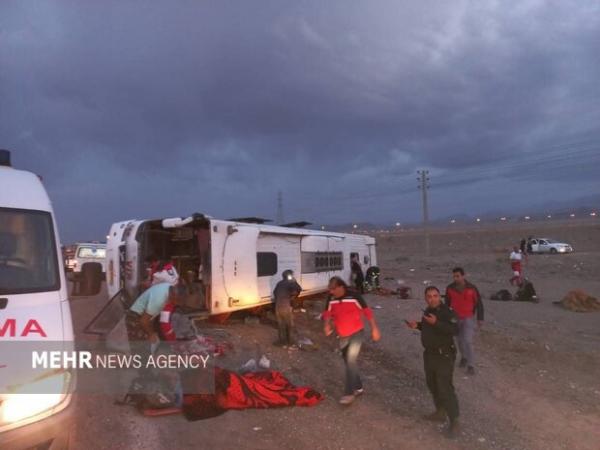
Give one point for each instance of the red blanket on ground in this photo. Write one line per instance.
(268, 389)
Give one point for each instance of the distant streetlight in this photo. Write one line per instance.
(322, 227)
(398, 224)
(549, 216)
(572, 215)
(478, 219)
(453, 221)
(355, 226)
(503, 219)
(593, 214)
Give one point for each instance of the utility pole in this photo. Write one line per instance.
(279, 208)
(423, 178)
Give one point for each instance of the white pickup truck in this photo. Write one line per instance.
(85, 264)
(85, 253)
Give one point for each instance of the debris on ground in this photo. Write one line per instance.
(579, 301)
(383, 292)
(249, 366)
(264, 362)
(307, 344)
(404, 292)
(202, 345)
(251, 320)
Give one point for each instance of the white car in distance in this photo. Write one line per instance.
(547, 245)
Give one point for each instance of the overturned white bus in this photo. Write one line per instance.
(230, 264)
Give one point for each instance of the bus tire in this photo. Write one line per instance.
(91, 279)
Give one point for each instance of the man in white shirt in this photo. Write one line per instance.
(515, 264)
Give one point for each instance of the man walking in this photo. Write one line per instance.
(286, 291)
(438, 327)
(463, 297)
(358, 279)
(346, 309)
(515, 265)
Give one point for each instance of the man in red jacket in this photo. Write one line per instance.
(463, 297)
(346, 309)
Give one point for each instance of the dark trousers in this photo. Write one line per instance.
(350, 347)
(285, 325)
(359, 284)
(138, 340)
(439, 370)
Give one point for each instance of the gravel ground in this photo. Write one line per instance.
(536, 387)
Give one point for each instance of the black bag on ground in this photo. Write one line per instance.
(502, 295)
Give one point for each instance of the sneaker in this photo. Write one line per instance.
(437, 416)
(358, 392)
(346, 399)
(452, 430)
(463, 362)
(470, 370)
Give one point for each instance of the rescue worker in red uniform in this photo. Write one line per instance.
(346, 310)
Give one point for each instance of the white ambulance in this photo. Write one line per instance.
(33, 307)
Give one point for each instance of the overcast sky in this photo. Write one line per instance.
(156, 109)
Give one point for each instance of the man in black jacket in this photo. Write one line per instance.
(438, 327)
(286, 291)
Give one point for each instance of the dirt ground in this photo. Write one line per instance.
(537, 384)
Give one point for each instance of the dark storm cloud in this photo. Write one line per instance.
(137, 110)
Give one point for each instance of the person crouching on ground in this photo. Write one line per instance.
(438, 327)
(140, 318)
(463, 297)
(346, 310)
(286, 291)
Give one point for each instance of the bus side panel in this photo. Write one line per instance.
(287, 249)
(234, 269)
(313, 281)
